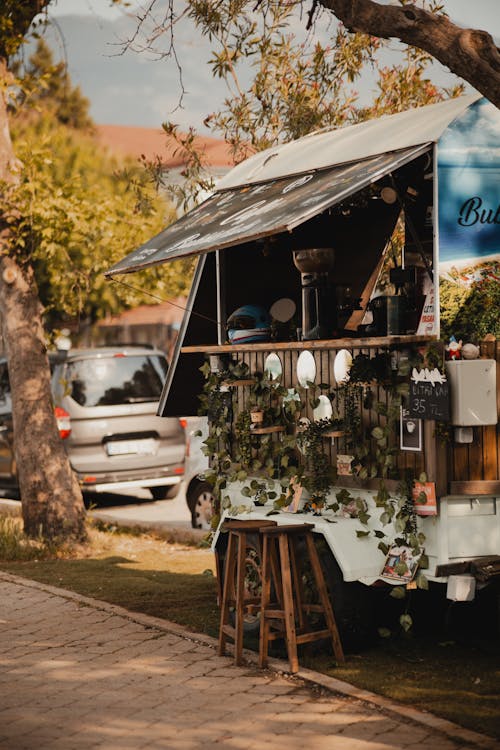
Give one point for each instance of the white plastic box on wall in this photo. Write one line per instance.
(473, 387)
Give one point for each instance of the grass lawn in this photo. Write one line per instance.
(458, 679)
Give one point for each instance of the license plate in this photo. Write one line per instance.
(146, 447)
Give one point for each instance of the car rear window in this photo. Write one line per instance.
(112, 380)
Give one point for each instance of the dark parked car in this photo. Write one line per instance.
(105, 402)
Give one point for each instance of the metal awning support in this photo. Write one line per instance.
(250, 212)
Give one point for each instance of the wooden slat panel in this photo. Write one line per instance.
(460, 462)
(475, 488)
(490, 453)
(471, 468)
(475, 456)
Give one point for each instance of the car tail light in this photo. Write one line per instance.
(183, 422)
(63, 422)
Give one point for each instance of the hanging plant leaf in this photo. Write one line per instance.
(422, 582)
(360, 534)
(401, 568)
(406, 622)
(423, 562)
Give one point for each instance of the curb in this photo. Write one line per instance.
(454, 731)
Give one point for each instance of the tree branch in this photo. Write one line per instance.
(469, 53)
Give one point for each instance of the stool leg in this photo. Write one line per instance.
(288, 605)
(297, 583)
(324, 598)
(240, 595)
(226, 593)
(264, 602)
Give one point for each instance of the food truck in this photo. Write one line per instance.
(340, 334)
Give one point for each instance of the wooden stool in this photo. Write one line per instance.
(287, 616)
(233, 589)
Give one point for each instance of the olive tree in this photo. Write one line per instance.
(63, 220)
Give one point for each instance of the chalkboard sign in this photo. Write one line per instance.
(429, 400)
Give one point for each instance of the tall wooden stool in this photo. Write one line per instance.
(286, 617)
(233, 589)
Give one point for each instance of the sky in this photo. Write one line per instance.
(134, 89)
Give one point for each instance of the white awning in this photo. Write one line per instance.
(329, 148)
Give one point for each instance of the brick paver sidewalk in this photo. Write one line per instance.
(76, 673)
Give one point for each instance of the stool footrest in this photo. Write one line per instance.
(274, 614)
(315, 635)
(228, 630)
(318, 608)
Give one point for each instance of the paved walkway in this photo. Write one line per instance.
(76, 673)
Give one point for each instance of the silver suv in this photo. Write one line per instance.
(105, 403)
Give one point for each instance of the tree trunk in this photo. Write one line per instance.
(469, 53)
(51, 498)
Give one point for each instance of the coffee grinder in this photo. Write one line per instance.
(318, 296)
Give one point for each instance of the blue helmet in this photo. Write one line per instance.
(249, 323)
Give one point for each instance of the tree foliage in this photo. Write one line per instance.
(282, 86)
(76, 209)
(469, 53)
(46, 85)
(64, 215)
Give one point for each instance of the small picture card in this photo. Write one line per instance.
(410, 431)
(424, 498)
(295, 494)
(401, 564)
(344, 465)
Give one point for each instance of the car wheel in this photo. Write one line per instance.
(200, 500)
(165, 493)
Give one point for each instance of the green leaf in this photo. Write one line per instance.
(360, 534)
(398, 592)
(423, 562)
(422, 582)
(406, 622)
(401, 568)
(384, 632)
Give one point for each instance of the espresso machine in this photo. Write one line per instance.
(318, 295)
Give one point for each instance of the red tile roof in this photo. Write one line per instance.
(152, 142)
(165, 313)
